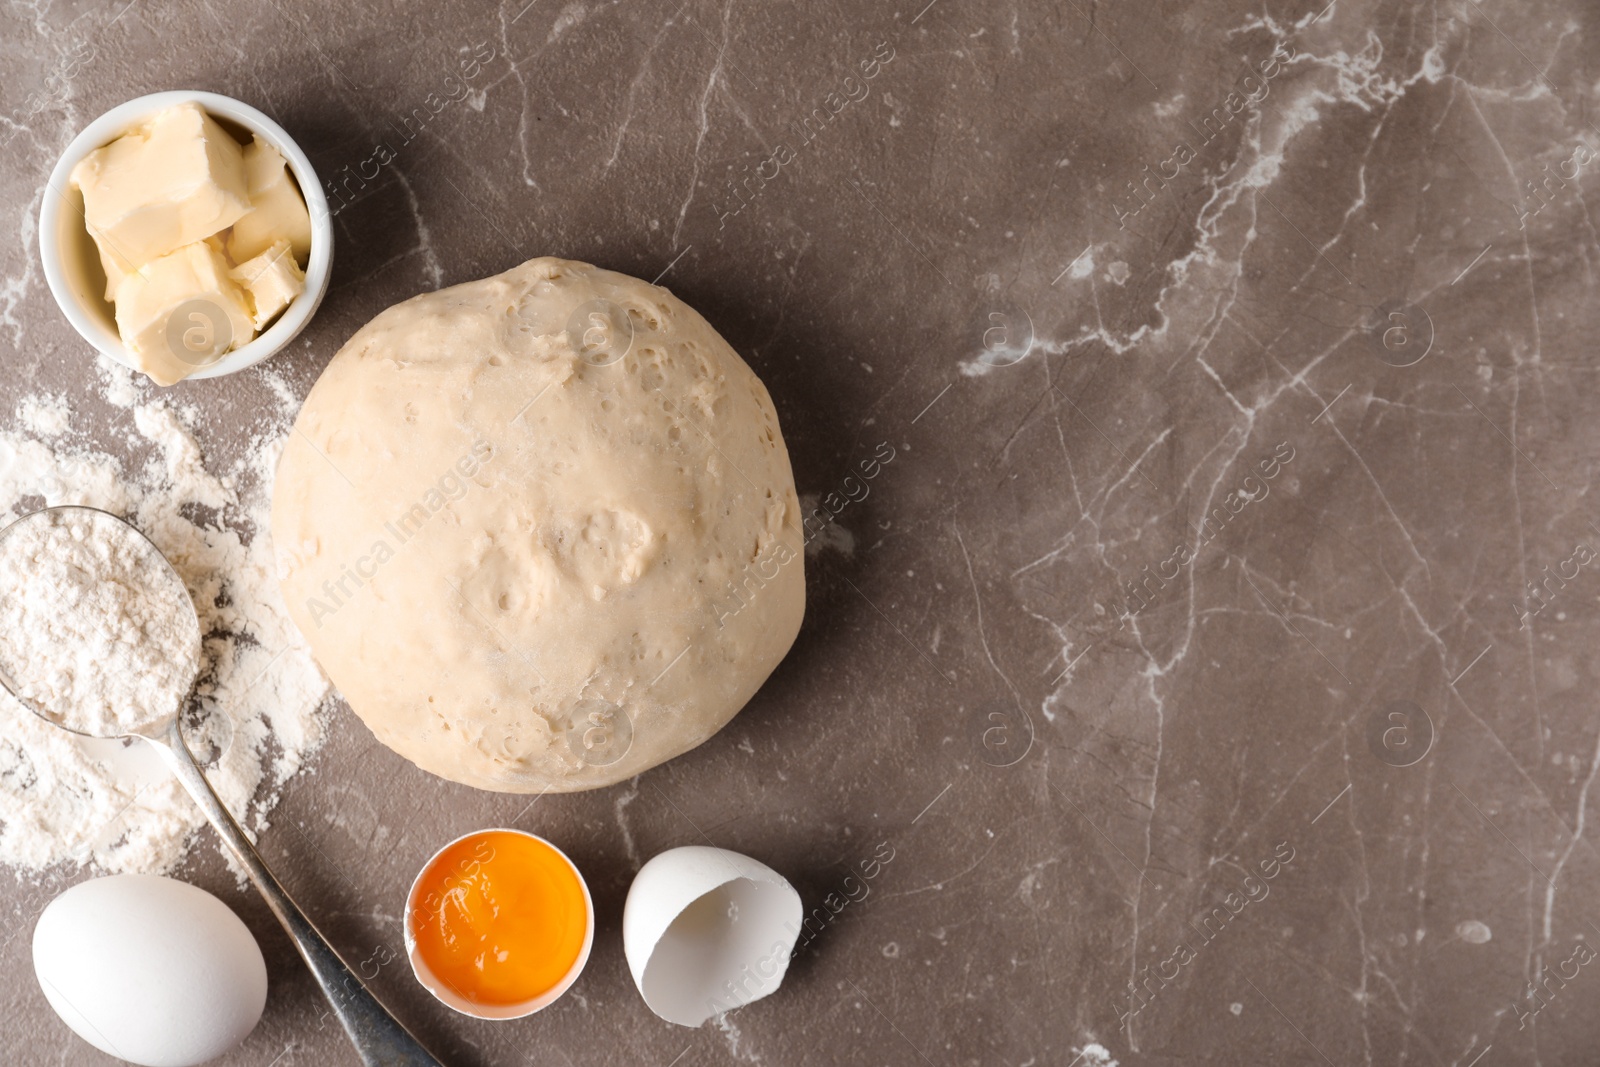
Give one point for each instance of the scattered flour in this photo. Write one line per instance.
(45, 416)
(68, 799)
(1095, 1055)
(831, 536)
(94, 630)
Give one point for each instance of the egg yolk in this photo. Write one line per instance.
(500, 918)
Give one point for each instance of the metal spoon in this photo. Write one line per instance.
(379, 1038)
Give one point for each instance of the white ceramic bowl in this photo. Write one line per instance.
(71, 265)
(443, 991)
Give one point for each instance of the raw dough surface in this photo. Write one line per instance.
(541, 529)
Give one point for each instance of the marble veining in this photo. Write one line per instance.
(1234, 361)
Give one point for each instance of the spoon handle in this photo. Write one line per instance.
(379, 1038)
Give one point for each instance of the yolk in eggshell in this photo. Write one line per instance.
(500, 918)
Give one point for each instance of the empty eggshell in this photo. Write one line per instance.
(706, 930)
(150, 970)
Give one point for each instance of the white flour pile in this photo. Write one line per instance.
(66, 799)
(94, 631)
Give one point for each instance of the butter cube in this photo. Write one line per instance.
(182, 312)
(277, 211)
(175, 180)
(114, 273)
(269, 281)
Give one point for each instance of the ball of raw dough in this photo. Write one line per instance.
(540, 529)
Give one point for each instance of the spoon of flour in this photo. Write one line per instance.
(98, 636)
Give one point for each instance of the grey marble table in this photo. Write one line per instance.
(1234, 359)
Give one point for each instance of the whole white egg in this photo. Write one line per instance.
(150, 970)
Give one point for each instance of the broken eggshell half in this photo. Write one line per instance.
(706, 930)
